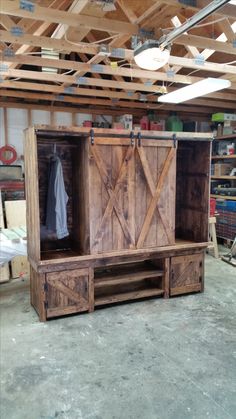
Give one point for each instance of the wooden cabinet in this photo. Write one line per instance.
(137, 216)
(62, 292)
(186, 274)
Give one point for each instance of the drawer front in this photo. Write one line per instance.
(66, 292)
(186, 274)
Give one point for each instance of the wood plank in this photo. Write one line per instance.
(124, 278)
(32, 193)
(2, 222)
(71, 19)
(121, 71)
(4, 273)
(152, 188)
(15, 213)
(230, 198)
(64, 289)
(112, 194)
(155, 198)
(37, 293)
(185, 290)
(151, 292)
(203, 42)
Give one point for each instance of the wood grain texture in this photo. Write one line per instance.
(192, 197)
(32, 194)
(186, 271)
(67, 290)
(37, 293)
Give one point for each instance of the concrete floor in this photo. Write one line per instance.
(155, 359)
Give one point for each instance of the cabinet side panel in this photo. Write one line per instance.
(37, 294)
(32, 195)
(81, 211)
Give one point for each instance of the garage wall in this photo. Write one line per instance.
(17, 122)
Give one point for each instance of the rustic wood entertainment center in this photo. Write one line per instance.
(137, 216)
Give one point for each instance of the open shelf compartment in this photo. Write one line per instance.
(128, 281)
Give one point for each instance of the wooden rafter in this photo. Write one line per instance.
(11, 7)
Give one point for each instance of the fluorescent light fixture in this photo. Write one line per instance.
(200, 88)
(150, 57)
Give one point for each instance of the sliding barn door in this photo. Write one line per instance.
(112, 200)
(155, 180)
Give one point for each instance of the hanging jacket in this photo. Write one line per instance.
(57, 198)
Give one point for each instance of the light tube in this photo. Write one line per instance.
(200, 88)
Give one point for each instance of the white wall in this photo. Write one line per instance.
(18, 122)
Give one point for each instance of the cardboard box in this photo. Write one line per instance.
(222, 169)
(126, 120)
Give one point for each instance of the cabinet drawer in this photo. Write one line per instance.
(67, 292)
(186, 274)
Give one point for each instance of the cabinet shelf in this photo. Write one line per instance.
(230, 156)
(226, 137)
(224, 177)
(126, 274)
(230, 198)
(125, 296)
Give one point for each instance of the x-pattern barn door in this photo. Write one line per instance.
(112, 165)
(156, 188)
(132, 204)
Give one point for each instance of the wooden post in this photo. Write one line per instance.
(74, 123)
(5, 125)
(29, 118)
(52, 118)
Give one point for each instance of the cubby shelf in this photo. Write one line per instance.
(231, 198)
(230, 156)
(224, 177)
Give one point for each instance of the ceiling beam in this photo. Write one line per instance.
(88, 81)
(107, 102)
(227, 10)
(107, 111)
(203, 42)
(76, 7)
(119, 71)
(44, 42)
(116, 96)
(70, 109)
(11, 7)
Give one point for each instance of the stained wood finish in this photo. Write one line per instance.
(122, 212)
(130, 187)
(67, 292)
(155, 199)
(186, 274)
(32, 195)
(37, 293)
(192, 196)
(111, 177)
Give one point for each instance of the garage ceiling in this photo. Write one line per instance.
(83, 79)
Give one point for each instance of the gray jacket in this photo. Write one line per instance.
(57, 198)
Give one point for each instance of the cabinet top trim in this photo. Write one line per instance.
(85, 131)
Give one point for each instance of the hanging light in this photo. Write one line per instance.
(194, 90)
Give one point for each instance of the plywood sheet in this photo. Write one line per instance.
(15, 213)
(1, 212)
(16, 220)
(4, 273)
(4, 270)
